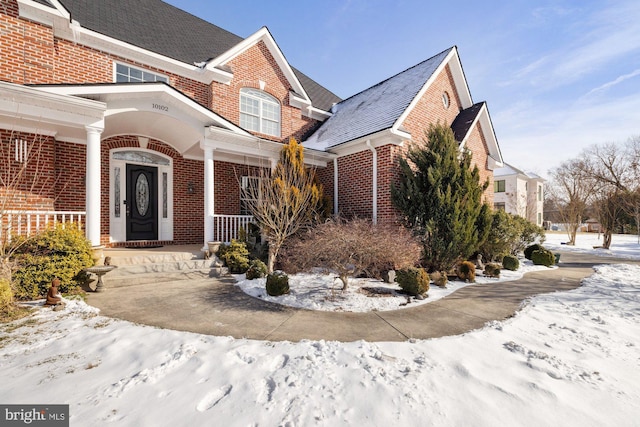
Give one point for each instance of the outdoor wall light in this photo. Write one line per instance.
(190, 188)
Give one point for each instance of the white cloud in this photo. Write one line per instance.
(614, 82)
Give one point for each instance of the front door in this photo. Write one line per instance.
(142, 202)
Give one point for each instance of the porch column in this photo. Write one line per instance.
(92, 188)
(208, 197)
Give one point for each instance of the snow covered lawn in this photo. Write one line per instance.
(567, 359)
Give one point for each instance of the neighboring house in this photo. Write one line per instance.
(148, 120)
(520, 193)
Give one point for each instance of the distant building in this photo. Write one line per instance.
(518, 192)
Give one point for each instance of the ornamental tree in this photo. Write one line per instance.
(284, 201)
(439, 195)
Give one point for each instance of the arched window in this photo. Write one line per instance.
(259, 112)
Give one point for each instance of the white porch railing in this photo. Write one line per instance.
(227, 227)
(27, 223)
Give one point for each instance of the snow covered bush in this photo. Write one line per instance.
(277, 283)
(414, 281)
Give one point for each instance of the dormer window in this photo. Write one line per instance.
(259, 112)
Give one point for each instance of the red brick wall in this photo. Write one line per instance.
(355, 185)
(430, 108)
(249, 68)
(478, 146)
(30, 185)
(71, 166)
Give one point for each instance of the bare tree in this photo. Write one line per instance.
(615, 170)
(285, 201)
(570, 190)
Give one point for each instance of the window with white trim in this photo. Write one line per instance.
(126, 73)
(248, 193)
(259, 112)
(499, 186)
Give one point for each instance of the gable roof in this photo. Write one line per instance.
(169, 31)
(508, 170)
(377, 108)
(464, 121)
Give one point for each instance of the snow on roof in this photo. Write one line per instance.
(376, 108)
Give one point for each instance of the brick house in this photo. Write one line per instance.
(145, 120)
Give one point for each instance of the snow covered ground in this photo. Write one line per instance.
(566, 359)
(324, 291)
(622, 245)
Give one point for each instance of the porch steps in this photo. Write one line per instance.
(159, 267)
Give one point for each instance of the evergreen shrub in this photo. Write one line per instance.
(543, 257)
(466, 271)
(61, 252)
(511, 262)
(257, 270)
(492, 270)
(414, 281)
(530, 249)
(6, 296)
(277, 283)
(235, 256)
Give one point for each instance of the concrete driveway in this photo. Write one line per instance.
(218, 307)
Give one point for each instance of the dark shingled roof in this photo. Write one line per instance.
(162, 28)
(464, 120)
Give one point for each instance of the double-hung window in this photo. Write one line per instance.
(259, 112)
(499, 186)
(126, 73)
(249, 193)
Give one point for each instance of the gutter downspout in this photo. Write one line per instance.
(374, 217)
(335, 186)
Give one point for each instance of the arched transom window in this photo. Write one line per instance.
(259, 112)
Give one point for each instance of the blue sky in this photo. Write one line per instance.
(558, 76)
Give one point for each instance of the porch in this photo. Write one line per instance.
(28, 223)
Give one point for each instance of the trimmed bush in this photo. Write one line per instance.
(543, 257)
(440, 279)
(414, 281)
(511, 262)
(235, 256)
(257, 270)
(491, 270)
(466, 271)
(61, 252)
(277, 283)
(530, 249)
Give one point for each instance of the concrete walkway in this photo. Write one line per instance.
(218, 307)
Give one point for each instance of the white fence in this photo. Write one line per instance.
(27, 223)
(227, 227)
